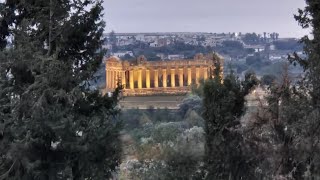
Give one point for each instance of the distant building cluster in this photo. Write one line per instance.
(125, 45)
(164, 39)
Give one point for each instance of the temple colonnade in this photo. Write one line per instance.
(157, 75)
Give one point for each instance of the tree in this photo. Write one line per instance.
(307, 96)
(3, 28)
(251, 39)
(310, 17)
(268, 79)
(192, 102)
(233, 48)
(113, 41)
(293, 111)
(127, 57)
(224, 103)
(291, 44)
(233, 45)
(51, 125)
(255, 60)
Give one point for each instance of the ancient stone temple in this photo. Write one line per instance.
(143, 77)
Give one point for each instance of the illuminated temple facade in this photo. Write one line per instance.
(142, 77)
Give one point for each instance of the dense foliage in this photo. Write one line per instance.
(286, 127)
(224, 103)
(51, 125)
(162, 144)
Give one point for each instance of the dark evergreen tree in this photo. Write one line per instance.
(51, 125)
(224, 103)
(293, 112)
(268, 79)
(310, 18)
(295, 108)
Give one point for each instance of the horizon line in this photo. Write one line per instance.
(190, 32)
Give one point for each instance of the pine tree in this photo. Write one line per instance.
(224, 103)
(310, 18)
(293, 110)
(51, 125)
(298, 112)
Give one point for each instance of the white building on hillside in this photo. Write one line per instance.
(122, 54)
(175, 56)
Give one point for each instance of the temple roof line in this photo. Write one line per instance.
(142, 60)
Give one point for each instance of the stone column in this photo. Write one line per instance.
(123, 78)
(139, 79)
(164, 78)
(116, 78)
(147, 78)
(205, 73)
(173, 82)
(212, 71)
(112, 79)
(181, 77)
(131, 79)
(197, 75)
(107, 78)
(189, 77)
(156, 78)
(119, 78)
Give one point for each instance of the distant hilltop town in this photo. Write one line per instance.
(185, 45)
(203, 39)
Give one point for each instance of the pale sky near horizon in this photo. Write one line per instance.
(204, 16)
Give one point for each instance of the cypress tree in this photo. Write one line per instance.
(224, 103)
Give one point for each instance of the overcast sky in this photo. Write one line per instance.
(204, 16)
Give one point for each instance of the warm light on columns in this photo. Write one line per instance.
(107, 78)
(173, 82)
(189, 77)
(140, 79)
(164, 78)
(116, 79)
(205, 73)
(131, 79)
(112, 79)
(123, 78)
(181, 77)
(197, 75)
(156, 78)
(147, 78)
